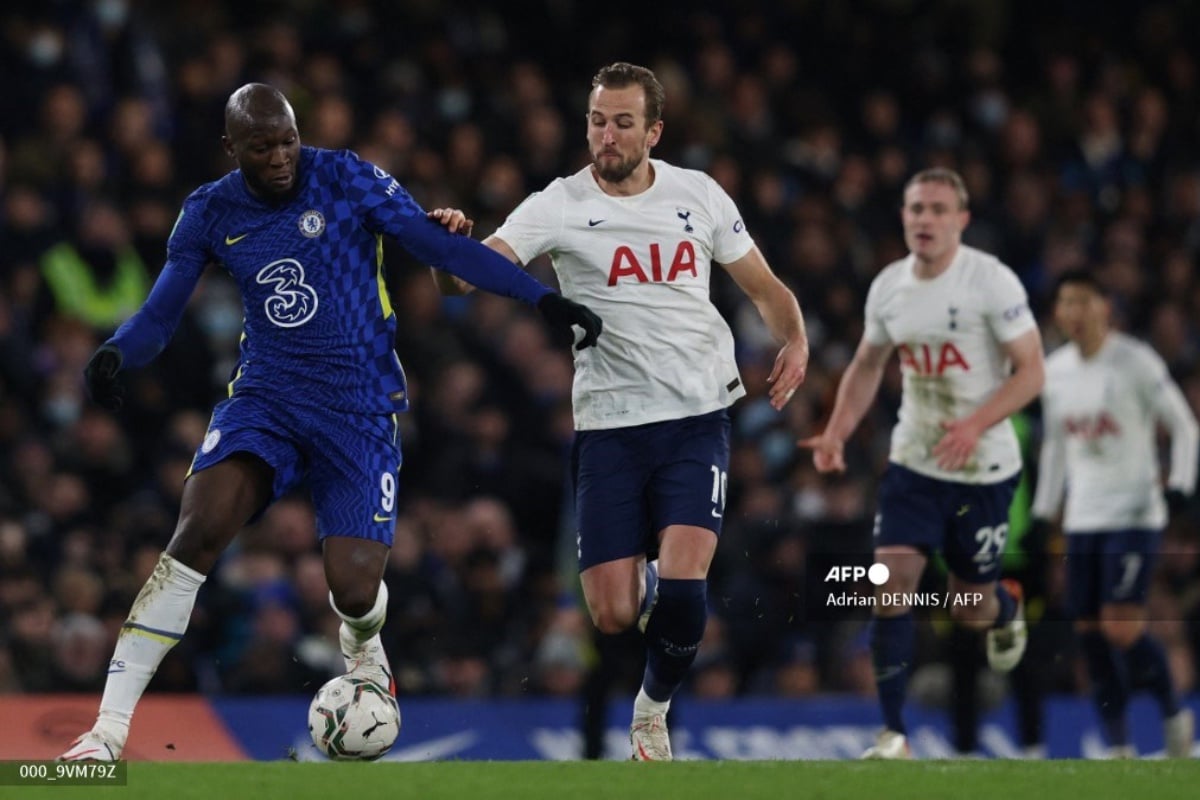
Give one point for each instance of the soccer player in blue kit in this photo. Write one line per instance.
(317, 386)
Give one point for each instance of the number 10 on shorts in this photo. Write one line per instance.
(719, 490)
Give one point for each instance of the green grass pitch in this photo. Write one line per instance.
(689, 780)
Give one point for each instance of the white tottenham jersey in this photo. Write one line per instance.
(1100, 442)
(949, 333)
(643, 264)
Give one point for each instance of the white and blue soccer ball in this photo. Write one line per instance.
(353, 719)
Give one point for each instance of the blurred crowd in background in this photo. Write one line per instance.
(1076, 133)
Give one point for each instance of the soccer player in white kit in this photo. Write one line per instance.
(971, 356)
(1105, 395)
(635, 238)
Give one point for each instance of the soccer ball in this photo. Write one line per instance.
(353, 719)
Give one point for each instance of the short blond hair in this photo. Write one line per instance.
(947, 177)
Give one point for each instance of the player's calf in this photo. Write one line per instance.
(1008, 637)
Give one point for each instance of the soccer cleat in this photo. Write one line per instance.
(91, 746)
(367, 660)
(889, 745)
(651, 595)
(1122, 752)
(1033, 752)
(1179, 731)
(379, 674)
(1006, 645)
(648, 736)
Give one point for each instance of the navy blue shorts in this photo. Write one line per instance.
(966, 522)
(1106, 567)
(630, 483)
(351, 461)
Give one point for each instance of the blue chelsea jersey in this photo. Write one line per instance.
(319, 327)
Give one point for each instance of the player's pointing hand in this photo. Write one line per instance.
(828, 455)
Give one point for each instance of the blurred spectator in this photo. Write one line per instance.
(97, 276)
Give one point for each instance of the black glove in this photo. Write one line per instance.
(100, 377)
(1177, 502)
(562, 313)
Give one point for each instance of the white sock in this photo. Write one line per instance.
(359, 635)
(156, 622)
(645, 706)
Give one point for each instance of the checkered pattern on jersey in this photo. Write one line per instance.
(317, 327)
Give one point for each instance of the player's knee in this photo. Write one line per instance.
(612, 619)
(1122, 633)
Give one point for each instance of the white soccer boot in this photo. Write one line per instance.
(649, 738)
(1179, 732)
(1006, 645)
(366, 660)
(889, 745)
(1122, 752)
(93, 746)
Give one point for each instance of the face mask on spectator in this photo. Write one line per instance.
(45, 49)
(62, 410)
(112, 13)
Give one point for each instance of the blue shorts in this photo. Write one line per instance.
(630, 483)
(351, 460)
(1106, 567)
(966, 522)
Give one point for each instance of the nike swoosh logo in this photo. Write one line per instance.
(594, 222)
(232, 240)
(715, 514)
(381, 518)
(890, 672)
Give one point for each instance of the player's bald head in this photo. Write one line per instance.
(261, 136)
(253, 106)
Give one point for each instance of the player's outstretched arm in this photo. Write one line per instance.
(562, 314)
(780, 311)
(140, 338)
(856, 392)
(1172, 409)
(1052, 467)
(455, 221)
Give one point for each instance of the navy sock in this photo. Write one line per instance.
(1008, 606)
(1110, 686)
(673, 635)
(1148, 669)
(893, 640)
